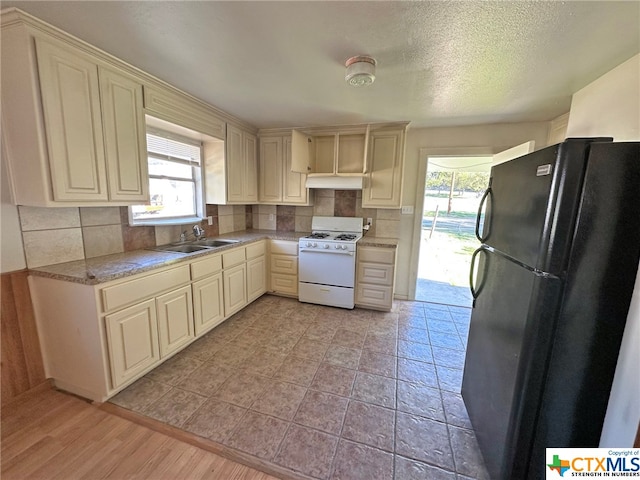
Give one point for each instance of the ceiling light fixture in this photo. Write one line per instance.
(361, 71)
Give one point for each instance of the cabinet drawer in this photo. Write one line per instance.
(233, 257)
(141, 288)
(377, 255)
(375, 273)
(255, 250)
(281, 283)
(206, 267)
(374, 296)
(284, 247)
(284, 264)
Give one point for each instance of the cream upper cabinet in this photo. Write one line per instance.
(125, 136)
(242, 166)
(294, 190)
(73, 125)
(72, 115)
(383, 182)
(270, 184)
(277, 182)
(341, 152)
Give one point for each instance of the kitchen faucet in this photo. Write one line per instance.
(198, 233)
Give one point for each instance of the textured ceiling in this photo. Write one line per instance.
(440, 63)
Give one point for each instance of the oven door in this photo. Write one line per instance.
(327, 267)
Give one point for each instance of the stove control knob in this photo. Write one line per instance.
(308, 244)
(314, 244)
(337, 247)
(326, 245)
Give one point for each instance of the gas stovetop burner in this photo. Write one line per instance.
(346, 236)
(318, 235)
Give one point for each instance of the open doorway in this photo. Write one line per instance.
(452, 192)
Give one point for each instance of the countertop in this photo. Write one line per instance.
(94, 271)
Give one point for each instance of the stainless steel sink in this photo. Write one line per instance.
(196, 246)
(188, 248)
(212, 242)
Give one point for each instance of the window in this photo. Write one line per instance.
(175, 181)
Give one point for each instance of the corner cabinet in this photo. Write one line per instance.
(278, 184)
(385, 163)
(73, 125)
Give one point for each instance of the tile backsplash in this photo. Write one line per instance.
(57, 235)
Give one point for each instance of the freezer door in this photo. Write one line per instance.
(531, 205)
(509, 341)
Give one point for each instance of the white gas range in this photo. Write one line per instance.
(327, 261)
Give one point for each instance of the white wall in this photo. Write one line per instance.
(610, 106)
(484, 139)
(11, 250)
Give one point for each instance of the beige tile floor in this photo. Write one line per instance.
(326, 392)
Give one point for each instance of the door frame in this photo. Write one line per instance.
(423, 160)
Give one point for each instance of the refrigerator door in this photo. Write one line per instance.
(600, 280)
(509, 340)
(532, 202)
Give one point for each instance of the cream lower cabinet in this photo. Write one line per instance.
(235, 289)
(97, 339)
(132, 339)
(208, 294)
(175, 320)
(283, 268)
(375, 277)
(234, 280)
(256, 270)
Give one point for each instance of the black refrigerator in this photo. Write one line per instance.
(552, 284)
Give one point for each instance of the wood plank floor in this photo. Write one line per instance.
(51, 435)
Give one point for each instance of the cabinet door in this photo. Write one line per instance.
(132, 337)
(251, 168)
(256, 278)
(270, 169)
(295, 190)
(175, 320)
(208, 303)
(124, 136)
(300, 152)
(235, 165)
(235, 289)
(384, 181)
(71, 106)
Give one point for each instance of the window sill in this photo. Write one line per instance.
(166, 222)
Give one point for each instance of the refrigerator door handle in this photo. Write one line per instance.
(488, 193)
(474, 292)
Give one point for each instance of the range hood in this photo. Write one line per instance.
(336, 182)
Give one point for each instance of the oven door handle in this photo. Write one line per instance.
(333, 252)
